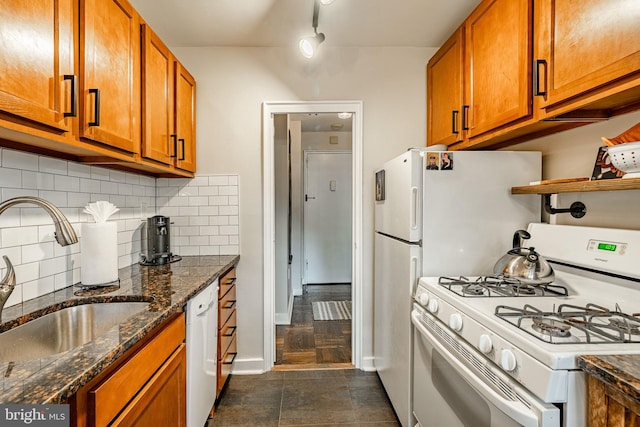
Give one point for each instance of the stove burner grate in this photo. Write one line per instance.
(593, 323)
(499, 286)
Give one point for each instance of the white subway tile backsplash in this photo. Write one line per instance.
(218, 180)
(79, 170)
(19, 160)
(197, 216)
(17, 236)
(51, 165)
(11, 177)
(66, 183)
(198, 208)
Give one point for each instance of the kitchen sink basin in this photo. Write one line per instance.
(64, 330)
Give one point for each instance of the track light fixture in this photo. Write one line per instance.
(309, 45)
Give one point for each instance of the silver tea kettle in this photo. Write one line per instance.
(524, 264)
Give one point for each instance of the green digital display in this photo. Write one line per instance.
(607, 247)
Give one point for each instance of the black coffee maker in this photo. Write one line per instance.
(157, 244)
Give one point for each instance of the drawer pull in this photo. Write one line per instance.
(537, 91)
(454, 121)
(229, 304)
(465, 117)
(74, 98)
(229, 334)
(96, 106)
(182, 144)
(233, 357)
(174, 137)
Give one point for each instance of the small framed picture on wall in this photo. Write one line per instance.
(380, 185)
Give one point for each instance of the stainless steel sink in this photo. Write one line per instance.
(63, 330)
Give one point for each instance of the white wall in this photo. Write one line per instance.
(232, 85)
(572, 154)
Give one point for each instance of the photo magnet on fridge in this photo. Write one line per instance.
(432, 159)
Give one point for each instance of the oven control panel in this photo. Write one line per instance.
(603, 247)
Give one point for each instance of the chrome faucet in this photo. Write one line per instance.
(65, 235)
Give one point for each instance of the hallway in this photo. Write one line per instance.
(309, 344)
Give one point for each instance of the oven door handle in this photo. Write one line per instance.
(544, 415)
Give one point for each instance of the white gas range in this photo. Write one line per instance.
(494, 352)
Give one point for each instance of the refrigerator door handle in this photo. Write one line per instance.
(414, 275)
(414, 208)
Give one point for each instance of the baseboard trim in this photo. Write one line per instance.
(368, 364)
(248, 366)
(285, 318)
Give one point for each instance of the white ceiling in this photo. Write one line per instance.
(353, 23)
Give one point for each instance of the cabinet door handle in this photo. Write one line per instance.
(229, 304)
(233, 357)
(229, 334)
(74, 98)
(537, 91)
(96, 106)
(454, 121)
(465, 117)
(182, 143)
(174, 137)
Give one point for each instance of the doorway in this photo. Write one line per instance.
(270, 112)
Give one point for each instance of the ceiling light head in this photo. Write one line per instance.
(309, 45)
(344, 116)
(326, 2)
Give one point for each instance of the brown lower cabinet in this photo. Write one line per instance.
(226, 327)
(608, 407)
(145, 387)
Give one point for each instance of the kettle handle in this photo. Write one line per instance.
(520, 234)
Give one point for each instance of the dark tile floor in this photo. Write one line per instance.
(327, 398)
(306, 341)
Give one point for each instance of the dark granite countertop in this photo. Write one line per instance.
(620, 371)
(55, 378)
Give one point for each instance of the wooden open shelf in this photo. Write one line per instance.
(580, 186)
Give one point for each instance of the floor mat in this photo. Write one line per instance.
(332, 310)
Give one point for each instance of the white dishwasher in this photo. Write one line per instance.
(202, 330)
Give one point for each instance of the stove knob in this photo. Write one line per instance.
(508, 360)
(455, 322)
(423, 299)
(485, 345)
(433, 306)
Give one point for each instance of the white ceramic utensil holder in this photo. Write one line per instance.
(99, 253)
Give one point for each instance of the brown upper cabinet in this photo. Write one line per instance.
(444, 92)
(168, 103)
(534, 67)
(110, 73)
(185, 118)
(480, 80)
(37, 81)
(587, 56)
(159, 141)
(71, 86)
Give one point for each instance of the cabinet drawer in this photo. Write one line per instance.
(111, 395)
(226, 334)
(226, 364)
(227, 283)
(227, 306)
(162, 401)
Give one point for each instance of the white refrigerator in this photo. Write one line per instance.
(438, 214)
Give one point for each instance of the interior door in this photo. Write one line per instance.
(327, 217)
